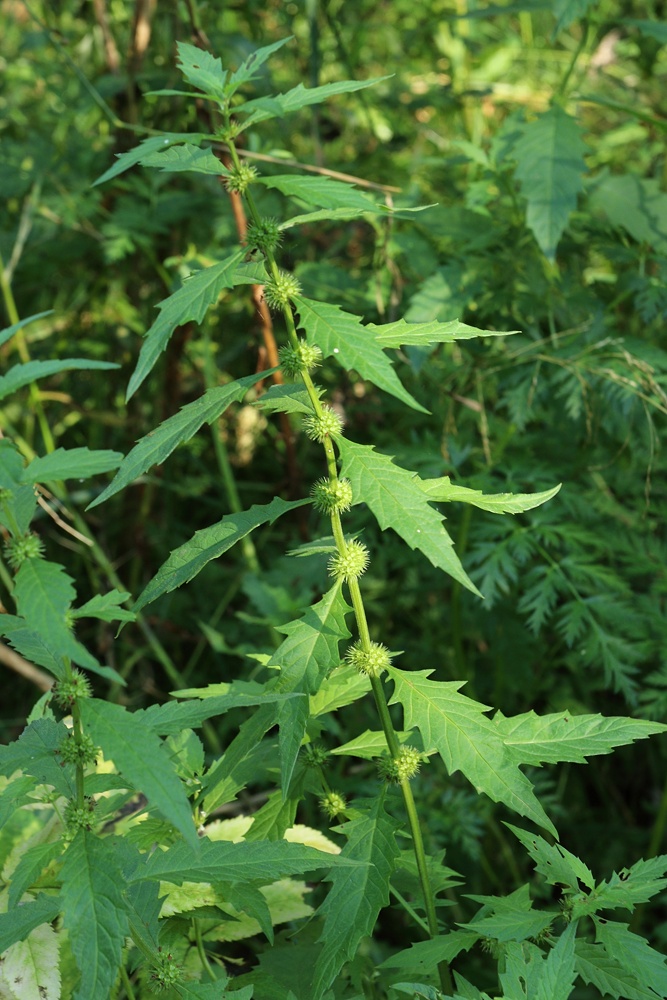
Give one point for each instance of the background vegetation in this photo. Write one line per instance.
(574, 610)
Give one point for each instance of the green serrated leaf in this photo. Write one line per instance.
(9, 331)
(21, 375)
(211, 991)
(242, 760)
(35, 753)
(106, 607)
(626, 888)
(247, 71)
(297, 98)
(320, 192)
(554, 862)
(633, 953)
(557, 974)
(30, 867)
(342, 336)
(345, 686)
(356, 897)
(189, 559)
(137, 753)
(444, 491)
(402, 334)
(566, 737)
(94, 912)
(18, 923)
(466, 740)
(157, 445)
(70, 463)
(190, 303)
(423, 958)
(304, 658)
(201, 69)
(175, 159)
(258, 862)
(126, 160)
(286, 399)
(635, 204)
(569, 11)
(325, 214)
(171, 718)
(396, 499)
(550, 169)
(43, 593)
(369, 744)
(509, 918)
(600, 970)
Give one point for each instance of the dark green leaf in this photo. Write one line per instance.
(35, 753)
(444, 491)
(137, 753)
(9, 331)
(258, 861)
(466, 740)
(106, 607)
(247, 71)
(201, 69)
(94, 911)
(342, 336)
(190, 558)
(21, 375)
(397, 500)
(157, 445)
(17, 924)
(297, 98)
(357, 895)
(175, 159)
(126, 160)
(70, 463)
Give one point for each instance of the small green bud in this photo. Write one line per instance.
(350, 563)
(295, 360)
(330, 496)
(79, 817)
(278, 291)
(402, 767)
(332, 804)
(372, 661)
(71, 689)
(79, 751)
(314, 755)
(17, 550)
(240, 179)
(329, 424)
(166, 973)
(265, 236)
(5, 494)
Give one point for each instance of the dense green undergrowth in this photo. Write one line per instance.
(315, 642)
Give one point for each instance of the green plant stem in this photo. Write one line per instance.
(77, 730)
(200, 949)
(409, 909)
(360, 614)
(127, 984)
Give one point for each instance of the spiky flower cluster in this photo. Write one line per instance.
(79, 817)
(240, 178)
(279, 290)
(71, 689)
(320, 427)
(295, 360)
(166, 973)
(314, 755)
(79, 751)
(350, 563)
(403, 767)
(332, 804)
(329, 496)
(372, 661)
(264, 235)
(17, 550)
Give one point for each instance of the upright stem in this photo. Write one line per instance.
(391, 738)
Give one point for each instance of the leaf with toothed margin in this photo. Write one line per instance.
(342, 336)
(190, 558)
